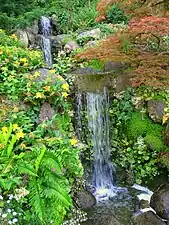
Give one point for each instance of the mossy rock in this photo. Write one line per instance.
(140, 125)
(154, 142)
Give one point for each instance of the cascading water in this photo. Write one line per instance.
(98, 123)
(46, 30)
(79, 98)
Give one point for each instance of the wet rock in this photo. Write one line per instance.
(110, 66)
(156, 110)
(149, 218)
(160, 201)
(46, 112)
(23, 37)
(94, 34)
(85, 199)
(144, 204)
(71, 46)
(56, 45)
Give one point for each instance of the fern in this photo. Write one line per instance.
(36, 200)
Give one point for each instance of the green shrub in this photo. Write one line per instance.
(116, 15)
(105, 28)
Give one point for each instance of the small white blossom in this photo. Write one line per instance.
(1, 197)
(4, 215)
(10, 222)
(11, 197)
(9, 210)
(8, 201)
(15, 220)
(14, 213)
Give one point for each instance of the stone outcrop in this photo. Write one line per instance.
(156, 110)
(160, 201)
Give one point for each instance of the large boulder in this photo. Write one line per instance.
(149, 218)
(32, 33)
(156, 110)
(46, 112)
(23, 37)
(85, 199)
(160, 201)
(111, 66)
(71, 46)
(93, 34)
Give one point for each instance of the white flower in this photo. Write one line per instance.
(4, 215)
(9, 210)
(10, 222)
(11, 197)
(15, 220)
(1, 198)
(8, 201)
(14, 213)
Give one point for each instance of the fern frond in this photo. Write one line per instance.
(36, 200)
(39, 158)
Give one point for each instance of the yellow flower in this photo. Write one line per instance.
(23, 60)
(20, 134)
(65, 87)
(6, 60)
(25, 64)
(65, 94)
(48, 79)
(47, 88)
(15, 127)
(4, 129)
(1, 52)
(52, 71)
(15, 109)
(23, 146)
(73, 142)
(40, 95)
(36, 74)
(14, 36)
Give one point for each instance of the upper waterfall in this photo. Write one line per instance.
(46, 30)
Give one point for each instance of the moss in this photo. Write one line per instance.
(96, 64)
(154, 142)
(138, 126)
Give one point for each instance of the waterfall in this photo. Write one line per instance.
(98, 123)
(46, 31)
(79, 115)
(103, 171)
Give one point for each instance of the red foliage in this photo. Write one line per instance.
(147, 67)
(149, 24)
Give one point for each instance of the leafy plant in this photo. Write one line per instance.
(116, 15)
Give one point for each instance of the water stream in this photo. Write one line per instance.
(46, 31)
